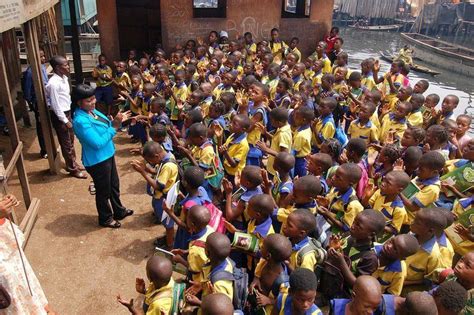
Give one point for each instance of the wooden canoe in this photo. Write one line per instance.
(379, 28)
(417, 68)
(442, 54)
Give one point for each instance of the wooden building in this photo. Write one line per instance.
(141, 24)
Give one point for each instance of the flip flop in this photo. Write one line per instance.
(79, 174)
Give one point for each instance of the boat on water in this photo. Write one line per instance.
(380, 28)
(414, 67)
(442, 54)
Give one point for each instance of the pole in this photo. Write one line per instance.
(76, 48)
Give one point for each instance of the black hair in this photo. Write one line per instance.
(249, 80)
(335, 148)
(329, 77)
(439, 132)
(401, 178)
(303, 279)
(331, 102)
(228, 97)
(197, 130)
(433, 218)
(218, 106)
(262, 204)
(434, 96)
(412, 155)
(340, 39)
(400, 63)
(179, 72)
(464, 116)
(149, 86)
(418, 133)
(159, 269)
(309, 185)
(335, 29)
(279, 114)
(343, 55)
(420, 303)
(455, 97)
(158, 130)
(160, 101)
(287, 83)
(418, 97)
(195, 115)
(274, 30)
(190, 68)
(357, 146)
(449, 216)
(218, 245)
(151, 148)
(217, 304)
(279, 246)
(449, 123)
(263, 87)
(305, 220)
(244, 121)
(371, 105)
(252, 174)
(199, 216)
(324, 160)
(452, 296)
(411, 244)
(355, 76)
(392, 152)
(353, 171)
(295, 38)
(56, 61)
(83, 91)
(194, 176)
(306, 112)
(424, 82)
(433, 160)
(285, 161)
(377, 220)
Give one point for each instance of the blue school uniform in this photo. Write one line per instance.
(386, 307)
(254, 156)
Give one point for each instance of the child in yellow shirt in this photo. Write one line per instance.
(363, 127)
(395, 122)
(179, 94)
(161, 180)
(281, 139)
(415, 118)
(236, 148)
(325, 127)
(301, 147)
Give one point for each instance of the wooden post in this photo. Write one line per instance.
(59, 29)
(6, 99)
(33, 55)
(76, 48)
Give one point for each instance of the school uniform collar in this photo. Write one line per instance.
(296, 79)
(442, 240)
(368, 75)
(397, 202)
(327, 118)
(346, 196)
(238, 139)
(209, 98)
(263, 227)
(167, 145)
(466, 202)
(416, 110)
(302, 128)
(429, 181)
(198, 234)
(368, 124)
(205, 144)
(167, 158)
(448, 115)
(428, 245)
(461, 162)
(394, 266)
(282, 128)
(183, 83)
(307, 205)
(393, 118)
(250, 193)
(220, 267)
(301, 244)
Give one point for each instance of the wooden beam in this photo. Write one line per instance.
(11, 165)
(29, 220)
(76, 48)
(33, 55)
(60, 29)
(5, 98)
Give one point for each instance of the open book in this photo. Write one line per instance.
(461, 178)
(246, 242)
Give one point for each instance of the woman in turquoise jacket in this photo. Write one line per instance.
(96, 132)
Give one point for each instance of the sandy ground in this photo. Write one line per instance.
(81, 266)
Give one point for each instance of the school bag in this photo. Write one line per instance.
(240, 279)
(217, 218)
(313, 246)
(177, 298)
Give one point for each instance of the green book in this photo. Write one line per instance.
(461, 178)
(467, 218)
(246, 242)
(410, 190)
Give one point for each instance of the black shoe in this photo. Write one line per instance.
(112, 224)
(127, 213)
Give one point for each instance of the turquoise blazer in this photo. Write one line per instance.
(95, 137)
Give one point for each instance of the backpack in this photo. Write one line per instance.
(240, 279)
(217, 219)
(177, 298)
(313, 245)
(215, 179)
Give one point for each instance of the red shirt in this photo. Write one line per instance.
(330, 41)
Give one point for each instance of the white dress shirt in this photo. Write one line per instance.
(58, 92)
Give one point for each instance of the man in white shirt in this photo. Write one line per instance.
(59, 97)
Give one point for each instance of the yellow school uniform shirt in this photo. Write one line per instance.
(416, 119)
(258, 274)
(392, 276)
(394, 211)
(325, 129)
(297, 82)
(446, 250)
(389, 122)
(261, 231)
(276, 48)
(204, 155)
(369, 82)
(181, 93)
(197, 257)
(346, 206)
(308, 260)
(221, 286)
(272, 86)
(99, 71)
(238, 148)
(297, 52)
(255, 135)
(393, 103)
(282, 138)
(302, 142)
(284, 306)
(397, 80)
(159, 301)
(308, 74)
(368, 131)
(251, 51)
(123, 80)
(375, 120)
(283, 213)
(316, 80)
(423, 264)
(429, 193)
(461, 246)
(205, 105)
(167, 173)
(326, 64)
(221, 88)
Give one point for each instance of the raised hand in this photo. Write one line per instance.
(140, 285)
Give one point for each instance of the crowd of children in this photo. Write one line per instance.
(305, 186)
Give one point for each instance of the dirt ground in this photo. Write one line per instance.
(81, 266)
